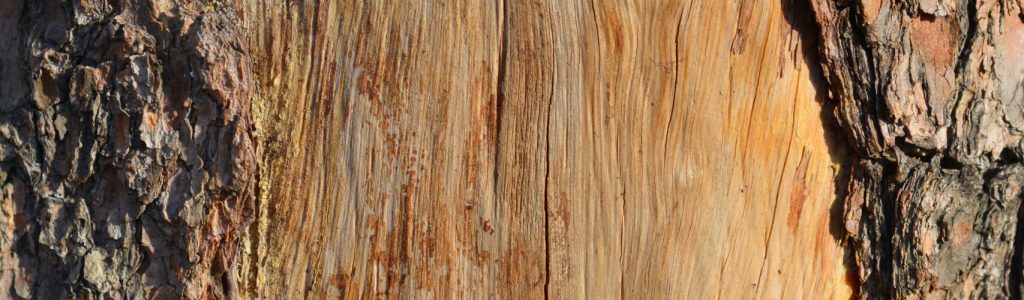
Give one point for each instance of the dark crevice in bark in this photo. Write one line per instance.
(962, 66)
(1014, 283)
(969, 39)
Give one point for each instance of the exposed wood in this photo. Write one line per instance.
(530, 148)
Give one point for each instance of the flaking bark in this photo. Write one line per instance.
(125, 154)
(930, 96)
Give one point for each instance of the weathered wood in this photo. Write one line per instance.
(529, 148)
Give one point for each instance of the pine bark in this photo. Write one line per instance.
(929, 94)
(126, 159)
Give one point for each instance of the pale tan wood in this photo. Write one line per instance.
(517, 149)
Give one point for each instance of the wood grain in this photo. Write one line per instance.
(522, 149)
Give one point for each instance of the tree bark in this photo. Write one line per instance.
(126, 158)
(929, 95)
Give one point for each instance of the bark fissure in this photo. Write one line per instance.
(925, 92)
(1017, 262)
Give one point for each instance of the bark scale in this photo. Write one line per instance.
(125, 154)
(930, 96)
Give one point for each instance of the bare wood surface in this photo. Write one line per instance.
(529, 148)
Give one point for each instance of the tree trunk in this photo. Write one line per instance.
(510, 149)
(929, 94)
(126, 148)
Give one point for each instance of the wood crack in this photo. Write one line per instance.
(547, 185)
(502, 15)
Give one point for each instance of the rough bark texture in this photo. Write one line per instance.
(930, 96)
(126, 162)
